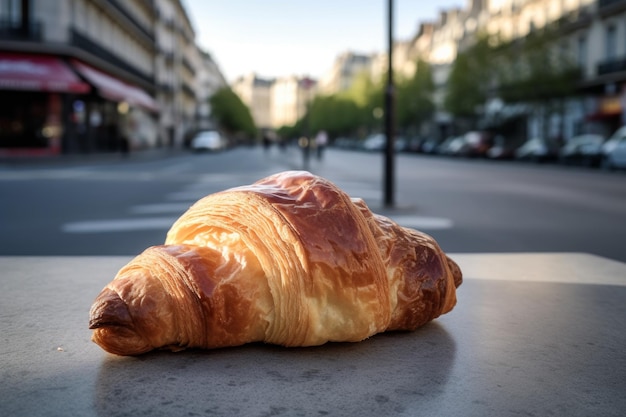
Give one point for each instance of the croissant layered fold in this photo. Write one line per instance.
(289, 260)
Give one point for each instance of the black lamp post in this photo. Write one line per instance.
(389, 116)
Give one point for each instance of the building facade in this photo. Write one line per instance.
(210, 80)
(290, 97)
(96, 75)
(255, 92)
(591, 33)
(345, 68)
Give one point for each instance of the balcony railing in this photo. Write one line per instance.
(605, 3)
(118, 5)
(612, 66)
(14, 31)
(81, 41)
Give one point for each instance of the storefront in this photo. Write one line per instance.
(117, 116)
(34, 94)
(50, 105)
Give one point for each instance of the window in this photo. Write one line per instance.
(611, 43)
(582, 52)
(11, 11)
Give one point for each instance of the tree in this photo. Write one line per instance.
(470, 80)
(348, 113)
(414, 101)
(536, 70)
(531, 71)
(231, 114)
(335, 114)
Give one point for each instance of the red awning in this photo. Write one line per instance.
(115, 89)
(38, 73)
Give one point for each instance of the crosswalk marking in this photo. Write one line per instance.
(119, 225)
(423, 222)
(159, 208)
(178, 202)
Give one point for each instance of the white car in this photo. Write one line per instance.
(208, 140)
(614, 150)
(376, 142)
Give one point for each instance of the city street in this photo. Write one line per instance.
(120, 206)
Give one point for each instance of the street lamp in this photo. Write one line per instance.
(389, 124)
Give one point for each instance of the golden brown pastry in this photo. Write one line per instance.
(289, 260)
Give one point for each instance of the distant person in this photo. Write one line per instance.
(321, 140)
(124, 145)
(266, 142)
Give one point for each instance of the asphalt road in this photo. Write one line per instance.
(120, 206)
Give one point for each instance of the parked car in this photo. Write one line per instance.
(584, 149)
(614, 150)
(537, 150)
(346, 143)
(429, 145)
(476, 144)
(208, 140)
(501, 149)
(375, 142)
(451, 146)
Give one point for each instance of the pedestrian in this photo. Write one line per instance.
(321, 140)
(267, 142)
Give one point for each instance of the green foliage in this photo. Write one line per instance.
(337, 115)
(231, 114)
(523, 70)
(470, 78)
(357, 111)
(363, 91)
(414, 103)
(291, 132)
(532, 70)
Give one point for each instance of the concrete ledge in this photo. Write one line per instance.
(534, 334)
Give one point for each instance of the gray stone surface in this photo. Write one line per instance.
(532, 334)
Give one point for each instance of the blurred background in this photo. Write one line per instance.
(474, 81)
(108, 75)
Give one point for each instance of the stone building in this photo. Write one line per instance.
(96, 75)
(255, 92)
(346, 66)
(290, 97)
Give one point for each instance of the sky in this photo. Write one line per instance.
(276, 38)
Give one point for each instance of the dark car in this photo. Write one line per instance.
(501, 149)
(429, 145)
(476, 144)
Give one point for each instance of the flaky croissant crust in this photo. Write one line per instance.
(288, 260)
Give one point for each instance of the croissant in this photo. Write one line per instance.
(290, 260)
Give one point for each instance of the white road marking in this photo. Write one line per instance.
(160, 208)
(422, 222)
(164, 223)
(119, 225)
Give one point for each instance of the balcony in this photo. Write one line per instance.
(166, 88)
(612, 66)
(136, 24)
(189, 90)
(607, 3)
(187, 64)
(610, 7)
(11, 30)
(83, 42)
